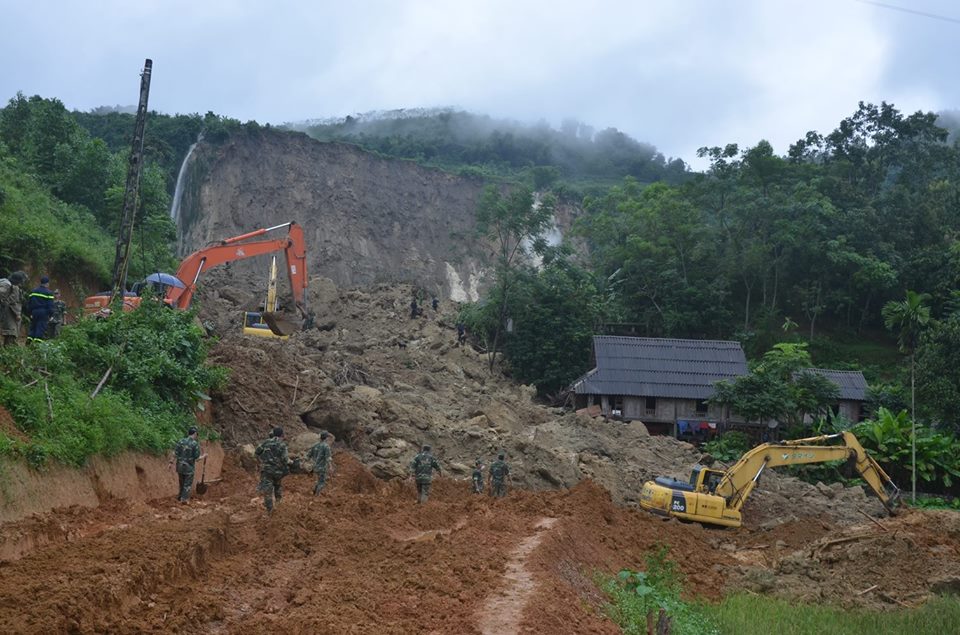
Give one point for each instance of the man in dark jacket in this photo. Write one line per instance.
(40, 307)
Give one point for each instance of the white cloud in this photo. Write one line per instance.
(678, 74)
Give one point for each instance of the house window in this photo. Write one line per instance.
(702, 407)
(617, 410)
(651, 405)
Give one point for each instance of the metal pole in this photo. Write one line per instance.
(132, 191)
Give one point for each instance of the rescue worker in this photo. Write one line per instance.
(186, 453)
(499, 471)
(322, 456)
(422, 467)
(11, 307)
(274, 465)
(478, 477)
(57, 317)
(39, 307)
(461, 334)
(435, 303)
(414, 309)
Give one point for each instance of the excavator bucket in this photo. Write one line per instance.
(280, 325)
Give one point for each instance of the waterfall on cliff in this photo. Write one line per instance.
(178, 190)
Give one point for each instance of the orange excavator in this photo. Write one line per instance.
(177, 290)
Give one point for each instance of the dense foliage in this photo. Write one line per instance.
(537, 154)
(779, 387)
(36, 227)
(887, 438)
(41, 138)
(825, 235)
(542, 309)
(158, 378)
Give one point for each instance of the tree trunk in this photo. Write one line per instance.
(913, 432)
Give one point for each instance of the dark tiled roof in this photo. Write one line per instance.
(851, 383)
(655, 367)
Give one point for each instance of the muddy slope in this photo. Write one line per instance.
(384, 384)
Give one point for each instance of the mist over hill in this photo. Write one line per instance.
(452, 138)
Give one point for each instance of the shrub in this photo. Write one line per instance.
(159, 377)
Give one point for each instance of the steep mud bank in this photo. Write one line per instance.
(130, 476)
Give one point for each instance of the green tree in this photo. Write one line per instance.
(938, 374)
(514, 226)
(909, 317)
(554, 314)
(779, 387)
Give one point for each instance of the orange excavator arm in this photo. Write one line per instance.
(235, 248)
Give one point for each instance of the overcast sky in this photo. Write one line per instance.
(678, 73)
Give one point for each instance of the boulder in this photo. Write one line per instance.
(459, 468)
(389, 453)
(302, 442)
(387, 469)
(248, 457)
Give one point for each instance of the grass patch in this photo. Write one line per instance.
(759, 615)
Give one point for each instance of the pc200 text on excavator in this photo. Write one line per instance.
(717, 496)
(180, 294)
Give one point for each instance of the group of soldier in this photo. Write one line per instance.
(425, 464)
(42, 306)
(275, 464)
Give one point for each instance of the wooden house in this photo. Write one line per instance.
(665, 383)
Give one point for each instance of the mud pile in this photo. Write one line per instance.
(894, 562)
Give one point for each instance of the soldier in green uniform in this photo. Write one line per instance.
(499, 471)
(186, 453)
(11, 307)
(422, 467)
(57, 316)
(478, 477)
(274, 465)
(322, 457)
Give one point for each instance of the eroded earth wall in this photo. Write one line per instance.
(366, 218)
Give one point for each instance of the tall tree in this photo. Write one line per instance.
(909, 316)
(514, 225)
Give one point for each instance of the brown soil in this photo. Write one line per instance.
(364, 558)
(9, 428)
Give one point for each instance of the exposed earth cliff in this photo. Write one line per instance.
(366, 218)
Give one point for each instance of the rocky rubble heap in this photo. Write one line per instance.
(384, 384)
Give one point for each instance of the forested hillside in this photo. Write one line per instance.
(67, 194)
(807, 247)
(574, 158)
(61, 193)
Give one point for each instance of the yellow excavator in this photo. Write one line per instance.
(717, 496)
(265, 323)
